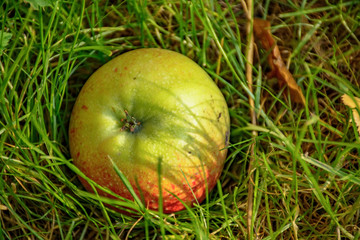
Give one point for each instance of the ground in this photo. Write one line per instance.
(296, 166)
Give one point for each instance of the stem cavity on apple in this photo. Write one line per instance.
(130, 123)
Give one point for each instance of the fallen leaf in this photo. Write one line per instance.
(278, 68)
(353, 103)
(3, 207)
(348, 101)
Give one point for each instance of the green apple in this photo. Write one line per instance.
(145, 106)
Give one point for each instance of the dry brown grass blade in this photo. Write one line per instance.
(278, 68)
(248, 7)
(353, 103)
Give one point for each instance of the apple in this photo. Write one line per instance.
(145, 106)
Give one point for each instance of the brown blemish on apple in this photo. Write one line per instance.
(77, 154)
(125, 68)
(84, 107)
(227, 135)
(115, 70)
(72, 131)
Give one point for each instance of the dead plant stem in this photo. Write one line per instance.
(249, 64)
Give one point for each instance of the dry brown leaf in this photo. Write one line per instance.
(350, 102)
(3, 207)
(278, 68)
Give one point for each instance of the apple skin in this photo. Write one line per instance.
(184, 121)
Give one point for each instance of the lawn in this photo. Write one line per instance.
(292, 170)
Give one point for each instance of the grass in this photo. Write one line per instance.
(306, 174)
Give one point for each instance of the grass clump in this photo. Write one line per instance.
(305, 159)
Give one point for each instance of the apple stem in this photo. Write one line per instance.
(130, 123)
